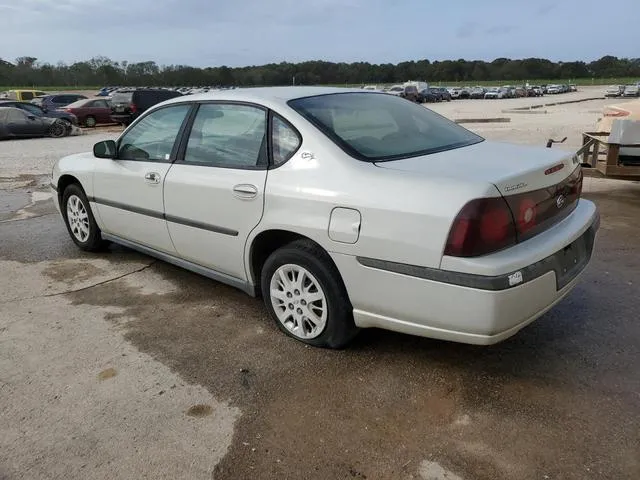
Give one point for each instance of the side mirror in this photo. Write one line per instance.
(105, 149)
(31, 117)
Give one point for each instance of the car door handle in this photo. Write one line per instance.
(152, 177)
(245, 191)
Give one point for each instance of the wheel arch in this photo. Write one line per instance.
(64, 181)
(268, 241)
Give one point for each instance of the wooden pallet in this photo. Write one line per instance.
(599, 153)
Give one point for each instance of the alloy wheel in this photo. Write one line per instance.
(298, 301)
(78, 218)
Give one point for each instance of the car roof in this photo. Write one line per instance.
(267, 95)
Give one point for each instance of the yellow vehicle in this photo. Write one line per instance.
(21, 95)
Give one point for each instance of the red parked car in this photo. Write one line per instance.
(90, 111)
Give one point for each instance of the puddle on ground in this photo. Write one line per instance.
(200, 410)
(70, 272)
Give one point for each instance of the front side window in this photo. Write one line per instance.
(228, 136)
(27, 95)
(378, 127)
(284, 140)
(16, 116)
(153, 137)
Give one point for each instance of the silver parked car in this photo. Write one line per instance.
(343, 209)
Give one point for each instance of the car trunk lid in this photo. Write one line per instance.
(541, 186)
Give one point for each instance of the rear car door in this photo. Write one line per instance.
(101, 111)
(128, 190)
(214, 193)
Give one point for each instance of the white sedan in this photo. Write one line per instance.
(344, 209)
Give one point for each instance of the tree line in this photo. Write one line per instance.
(28, 71)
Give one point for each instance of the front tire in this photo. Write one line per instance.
(306, 297)
(58, 129)
(90, 122)
(79, 219)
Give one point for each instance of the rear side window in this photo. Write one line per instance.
(27, 95)
(284, 141)
(122, 97)
(378, 127)
(232, 136)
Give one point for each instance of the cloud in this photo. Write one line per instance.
(467, 30)
(500, 30)
(546, 9)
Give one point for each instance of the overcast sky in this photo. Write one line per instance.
(253, 32)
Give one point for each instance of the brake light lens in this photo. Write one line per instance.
(538, 210)
(483, 226)
(133, 107)
(487, 225)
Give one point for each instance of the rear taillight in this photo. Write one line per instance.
(133, 108)
(483, 226)
(536, 211)
(487, 225)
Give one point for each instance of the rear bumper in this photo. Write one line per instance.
(455, 308)
(122, 118)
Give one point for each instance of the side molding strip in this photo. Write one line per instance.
(179, 262)
(168, 218)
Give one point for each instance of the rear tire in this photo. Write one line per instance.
(90, 122)
(79, 219)
(304, 294)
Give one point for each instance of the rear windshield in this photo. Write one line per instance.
(122, 97)
(378, 127)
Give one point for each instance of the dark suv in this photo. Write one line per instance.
(127, 105)
(52, 102)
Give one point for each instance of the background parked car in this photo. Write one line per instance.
(90, 111)
(496, 92)
(478, 92)
(411, 93)
(455, 92)
(22, 95)
(614, 91)
(427, 96)
(106, 91)
(16, 123)
(39, 112)
(52, 102)
(127, 105)
(397, 90)
(442, 92)
(631, 91)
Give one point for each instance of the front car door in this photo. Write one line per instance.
(214, 193)
(23, 124)
(128, 190)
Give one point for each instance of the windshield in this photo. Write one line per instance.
(378, 127)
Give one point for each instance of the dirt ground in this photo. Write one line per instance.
(118, 366)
